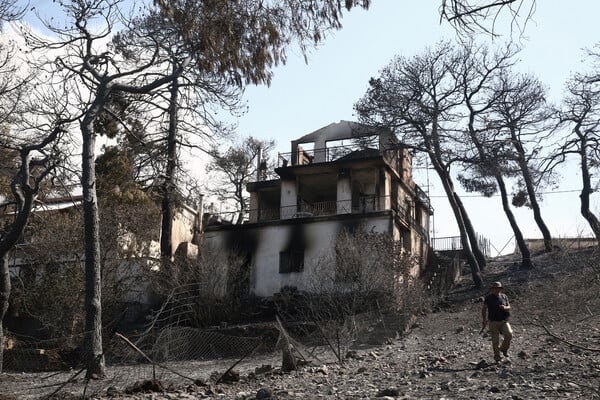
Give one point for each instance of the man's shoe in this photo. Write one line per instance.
(505, 352)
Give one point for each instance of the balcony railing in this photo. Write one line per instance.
(304, 209)
(319, 208)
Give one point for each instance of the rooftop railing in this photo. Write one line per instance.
(327, 154)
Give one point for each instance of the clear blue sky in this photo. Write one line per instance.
(304, 97)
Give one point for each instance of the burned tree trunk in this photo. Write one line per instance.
(93, 279)
(586, 190)
(5, 288)
(458, 214)
(24, 187)
(525, 254)
(472, 235)
(529, 186)
(166, 239)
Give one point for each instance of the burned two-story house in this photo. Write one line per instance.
(344, 176)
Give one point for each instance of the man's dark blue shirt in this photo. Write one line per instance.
(495, 313)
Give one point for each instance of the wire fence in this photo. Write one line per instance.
(173, 357)
(169, 350)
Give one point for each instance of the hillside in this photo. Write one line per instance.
(555, 351)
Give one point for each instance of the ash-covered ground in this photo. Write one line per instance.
(555, 351)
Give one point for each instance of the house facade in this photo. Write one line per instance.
(343, 177)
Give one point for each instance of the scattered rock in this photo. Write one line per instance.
(391, 392)
(321, 370)
(112, 392)
(264, 394)
(200, 382)
(523, 355)
(230, 376)
(147, 386)
(263, 369)
(353, 354)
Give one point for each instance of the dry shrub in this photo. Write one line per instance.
(201, 292)
(568, 292)
(366, 284)
(50, 285)
(54, 298)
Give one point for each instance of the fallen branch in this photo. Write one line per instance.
(568, 342)
(63, 384)
(240, 360)
(137, 349)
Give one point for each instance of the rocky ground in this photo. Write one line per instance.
(555, 351)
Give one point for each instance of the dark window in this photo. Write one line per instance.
(291, 261)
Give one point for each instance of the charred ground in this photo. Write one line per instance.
(555, 351)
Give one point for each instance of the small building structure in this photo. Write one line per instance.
(126, 260)
(344, 176)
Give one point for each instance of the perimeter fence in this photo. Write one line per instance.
(176, 357)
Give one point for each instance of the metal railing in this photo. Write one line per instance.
(319, 207)
(447, 243)
(451, 243)
(364, 205)
(327, 154)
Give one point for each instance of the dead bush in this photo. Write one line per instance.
(567, 294)
(201, 292)
(366, 284)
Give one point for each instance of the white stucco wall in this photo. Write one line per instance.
(183, 228)
(318, 238)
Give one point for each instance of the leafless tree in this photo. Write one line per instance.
(32, 122)
(420, 99)
(82, 58)
(469, 17)
(11, 10)
(35, 162)
(187, 109)
(580, 113)
(490, 163)
(520, 114)
(235, 168)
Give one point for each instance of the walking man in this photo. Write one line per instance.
(496, 309)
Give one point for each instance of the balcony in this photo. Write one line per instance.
(305, 209)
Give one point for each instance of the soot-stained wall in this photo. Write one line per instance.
(264, 243)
